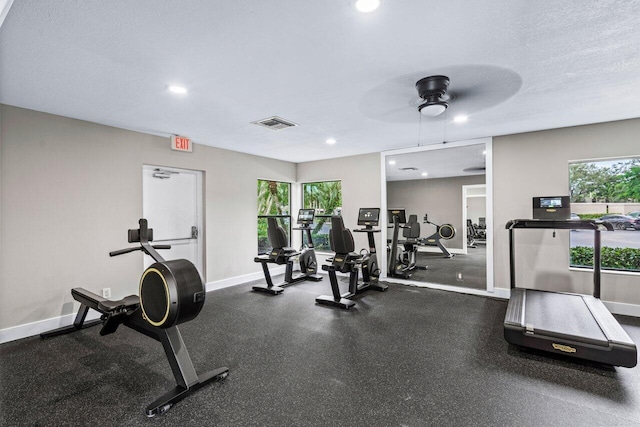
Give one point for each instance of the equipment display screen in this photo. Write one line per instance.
(369, 216)
(305, 216)
(400, 213)
(550, 202)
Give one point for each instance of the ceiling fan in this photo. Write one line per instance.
(433, 91)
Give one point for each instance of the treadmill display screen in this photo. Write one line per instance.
(305, 216)
(556, 207)
(550, 202)
(369, 216)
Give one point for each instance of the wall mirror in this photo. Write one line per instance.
(445, 240)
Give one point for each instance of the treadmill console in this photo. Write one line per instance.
(555, 207)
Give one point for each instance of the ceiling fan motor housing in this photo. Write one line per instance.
(433, 86)
(431, 89)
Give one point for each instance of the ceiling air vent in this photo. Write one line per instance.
(410, 168)
(275, 123)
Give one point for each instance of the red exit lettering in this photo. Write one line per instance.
(181, 143)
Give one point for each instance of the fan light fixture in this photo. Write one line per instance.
(367, 5)
(432, 89)
(432, 109)
(177, 89)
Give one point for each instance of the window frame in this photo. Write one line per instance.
(264, 216)
(619, 246)
(325, 216)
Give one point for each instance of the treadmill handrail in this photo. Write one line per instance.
(560, 224)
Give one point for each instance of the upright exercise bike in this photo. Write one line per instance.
(171, 292)
(281, 254)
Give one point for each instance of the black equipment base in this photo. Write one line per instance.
(331, 301)
(128, 313)
(337, 299)
(272, 290)
(289, 278)
(574, 325)
(167, 400)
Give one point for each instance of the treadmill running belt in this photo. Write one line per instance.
(562, 315)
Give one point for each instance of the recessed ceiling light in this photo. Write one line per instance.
(424, 174)
(367, 5)
(484, 153)
(460, 119)
(392, 162)
(331, 141)
(177, 89)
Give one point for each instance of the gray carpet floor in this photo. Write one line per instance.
(406, 357)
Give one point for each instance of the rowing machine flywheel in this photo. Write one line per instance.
(171, 292)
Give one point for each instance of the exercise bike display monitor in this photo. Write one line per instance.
(369, 217)
(400, 213)
(305, 216)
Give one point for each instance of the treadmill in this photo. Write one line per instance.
(574, 325)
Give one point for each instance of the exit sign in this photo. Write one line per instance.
(181, 143)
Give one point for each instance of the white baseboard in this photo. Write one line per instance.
(623, 308)
(35, 328)
(238, 280)
(497, 292)
(436, 250)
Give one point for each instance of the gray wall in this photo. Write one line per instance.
(476, 208)
(360, 176)
(71, 189)
(536, 164)
(440, 198)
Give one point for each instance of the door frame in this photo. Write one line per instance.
(200, 213)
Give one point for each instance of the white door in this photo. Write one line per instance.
(172, 205)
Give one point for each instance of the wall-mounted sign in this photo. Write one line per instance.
(181, 143)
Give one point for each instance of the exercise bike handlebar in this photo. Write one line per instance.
(127, 250)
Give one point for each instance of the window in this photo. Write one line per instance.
(273, 201)
(607, 190)
(326, 198)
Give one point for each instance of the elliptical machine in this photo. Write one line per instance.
(281, 254)
(171, 292)
(443, 232)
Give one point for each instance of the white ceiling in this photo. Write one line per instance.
(515, 66)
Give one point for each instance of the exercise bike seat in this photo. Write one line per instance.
(128, 302)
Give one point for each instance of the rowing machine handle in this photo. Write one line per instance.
(127, 250)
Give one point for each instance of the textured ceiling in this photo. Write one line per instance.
(515, 66)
